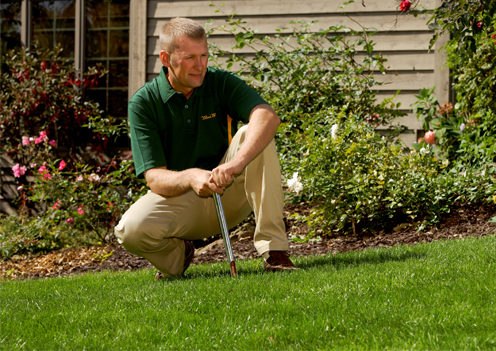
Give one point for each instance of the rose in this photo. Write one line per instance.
(25, 140)
(479, 24)
(62, 165)
(70, 220)
(429, 137)
(80, 210)
(52, 143)
(334, 131)
(94, 177)
(18, 170)
(56, 205)
(405, 5)
(294, 184)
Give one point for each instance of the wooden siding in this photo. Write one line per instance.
(402, 39)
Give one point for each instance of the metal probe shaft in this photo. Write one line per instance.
(225, 234)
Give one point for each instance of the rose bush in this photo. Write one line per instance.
(71, 186)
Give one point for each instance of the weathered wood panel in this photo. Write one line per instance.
(391, 43)
(270, 25)
(171, 9)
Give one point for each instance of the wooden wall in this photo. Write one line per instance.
(402, 39)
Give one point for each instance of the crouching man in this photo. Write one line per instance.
(186, 145)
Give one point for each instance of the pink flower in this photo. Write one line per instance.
(79, 178)
(47, 176)
(80, 210)
(25, 140)
(19, 188)
(429, 137)
(70, 220)
(18, 170)
(56, 205)
(62, 165)
(43, 135)
(405, 5)
(32, 165)
(42, 169)
(52, 143)
(38, 140)
(479, 24)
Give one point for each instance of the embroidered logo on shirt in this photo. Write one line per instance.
(209, 116)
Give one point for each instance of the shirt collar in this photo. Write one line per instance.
(167, 92)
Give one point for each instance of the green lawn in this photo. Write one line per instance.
(437, 296)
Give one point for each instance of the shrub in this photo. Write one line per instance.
(41, 93)
(303, 73)
(71, 186)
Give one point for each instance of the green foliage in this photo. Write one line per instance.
(72, 207)
(448, 126)
(471, 55)
(70, 191)
(360, 181)
(302, 71)
(42, 93)
(358, 178)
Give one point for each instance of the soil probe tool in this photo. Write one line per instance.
(225, 234)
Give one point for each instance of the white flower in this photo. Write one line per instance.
(334, 131)
(423, 151)
(294, 184)
(94, 177)
(462, 127)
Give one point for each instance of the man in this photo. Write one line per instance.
(186, 145)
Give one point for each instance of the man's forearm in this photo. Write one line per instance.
(261, 130)
(169, 183)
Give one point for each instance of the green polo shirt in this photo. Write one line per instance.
(169, 130)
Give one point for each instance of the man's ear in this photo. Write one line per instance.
(165, 58)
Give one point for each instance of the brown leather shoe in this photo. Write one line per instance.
(279, 261)
(189, 254)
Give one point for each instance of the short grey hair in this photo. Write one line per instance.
(177, 27)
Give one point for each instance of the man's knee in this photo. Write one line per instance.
(129, 233)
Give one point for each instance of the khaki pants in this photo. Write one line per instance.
(155, 226)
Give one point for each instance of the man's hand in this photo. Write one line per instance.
(201, 184)
(223, 175)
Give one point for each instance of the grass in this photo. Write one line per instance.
(437, 296)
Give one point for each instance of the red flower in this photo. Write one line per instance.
(479, 24)
(80, 210)
(405, 5)
(494, 36)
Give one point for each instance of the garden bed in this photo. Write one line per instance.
(463, 221)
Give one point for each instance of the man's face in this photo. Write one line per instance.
(187, 65)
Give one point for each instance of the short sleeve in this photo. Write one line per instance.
(146, 141)
(239, 96)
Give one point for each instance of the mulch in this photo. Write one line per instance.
(462, 221)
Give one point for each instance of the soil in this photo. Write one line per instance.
(462, 221)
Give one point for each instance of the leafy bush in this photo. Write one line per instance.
(357, 177)
(73, 208)
(303, 73)
(464, 134)
(71, 186)
(41, 92)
